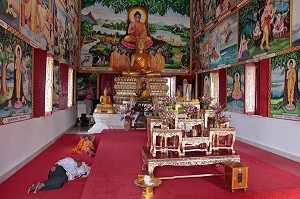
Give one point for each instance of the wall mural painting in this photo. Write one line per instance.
(16, 78)
(263, 28)
(201, 56)
(285, 95)
(10, 12)
(235, 88)
(56, 86)
(209, 11)
(61, 32)
(296, 24)
(224, 5)
(206, 84)
(197, 16)
(108, 39)
(87, 86)
(73, 47)
(223, 42)
(37, 21)
(72, 7)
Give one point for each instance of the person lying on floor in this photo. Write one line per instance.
(64, 170)
(86, 144)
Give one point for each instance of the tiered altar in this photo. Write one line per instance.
(127, 87)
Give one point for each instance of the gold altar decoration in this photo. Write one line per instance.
(126, 88)
(229, 136)
(105, 105)
(147, 192)
(150, 163)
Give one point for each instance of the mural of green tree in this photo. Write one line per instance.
(100, 36)
(154, 6)
(285, 95)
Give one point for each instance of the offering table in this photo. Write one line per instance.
(191, 159)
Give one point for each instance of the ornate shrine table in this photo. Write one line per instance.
(194, 142)
(191, 159)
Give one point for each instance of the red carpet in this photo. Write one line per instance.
(119, 162)
(17, 185)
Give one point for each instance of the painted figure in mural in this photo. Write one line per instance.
(105, 98)
(257, 32)
(216, 45)
(45, 23)
(114, 59)
(237, 93)
(214, 54)
(18, 74)
(198, 15)
(206, 87)
(144, 92)
(220, 8)
(227, 33)
(10, 10)
(291, 80)
(267, 19)
(279, 26)
(243, 50)
(136, 30)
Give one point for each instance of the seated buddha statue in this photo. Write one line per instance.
(179, 96)
(144, 92)
(105, 103)
(140, 63)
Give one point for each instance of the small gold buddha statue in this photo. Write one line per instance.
(179, 96)
(105, 105)
(140, 62)
(144, 92)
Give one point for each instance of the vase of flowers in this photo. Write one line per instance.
(205, 101)
(221, 119)
(127, 114)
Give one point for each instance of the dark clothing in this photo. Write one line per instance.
(56, 179)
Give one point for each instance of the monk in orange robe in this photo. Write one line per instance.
(86, 144)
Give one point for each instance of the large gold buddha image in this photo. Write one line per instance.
(140, 63)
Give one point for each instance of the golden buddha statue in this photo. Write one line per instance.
(105, 105)
(140, 62)
(144, 92)
(179, 96)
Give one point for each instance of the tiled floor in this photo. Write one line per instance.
(79, 130)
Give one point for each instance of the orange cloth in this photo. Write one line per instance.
(84, 145)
